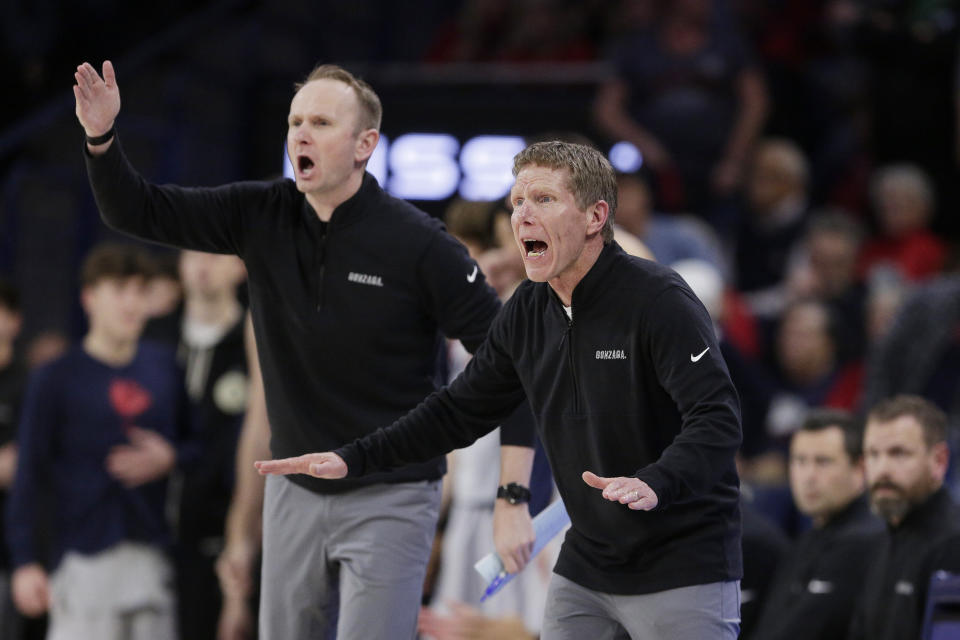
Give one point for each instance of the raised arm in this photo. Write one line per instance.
(98, 103)
(204, 219)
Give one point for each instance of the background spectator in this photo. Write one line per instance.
(820, 580)
(210, 348)
(770, 222)
(903, 198)
(906, 456)
(98, 436)
(13, 377)
(690, 96)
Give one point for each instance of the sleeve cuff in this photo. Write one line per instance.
(656, 480)
(354, 460)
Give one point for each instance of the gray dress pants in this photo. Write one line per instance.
(700, 612)
(347, 566)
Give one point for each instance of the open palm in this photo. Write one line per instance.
(319, 465)
(98, 99)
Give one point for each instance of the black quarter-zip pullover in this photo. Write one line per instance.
(633, 385)
(818, 584)
(895, 589)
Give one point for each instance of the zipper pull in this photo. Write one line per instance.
(321, 268)
(566, 333)
(320, 287)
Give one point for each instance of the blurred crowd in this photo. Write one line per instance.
(799, 169)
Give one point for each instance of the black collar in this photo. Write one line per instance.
(351, 210)
(596, 280)
(855, 514)
(938, 508)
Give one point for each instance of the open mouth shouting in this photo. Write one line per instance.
(534, 248)
(304, 166)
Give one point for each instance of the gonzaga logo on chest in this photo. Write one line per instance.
(364, 278)
(611, 354)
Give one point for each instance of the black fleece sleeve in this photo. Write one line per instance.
(682, 342)
(485, 393)
(204, 219)
(457, 293)
(519, 429)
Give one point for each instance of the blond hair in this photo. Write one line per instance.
(591, 177)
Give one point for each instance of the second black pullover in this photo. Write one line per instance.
(895, 590)
(348, 315)
(819, 583)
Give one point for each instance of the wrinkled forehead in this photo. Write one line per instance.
(534, 175)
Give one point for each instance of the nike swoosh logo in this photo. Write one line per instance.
(473, 276)
(694, 358)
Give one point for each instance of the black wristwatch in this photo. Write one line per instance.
(514, 493)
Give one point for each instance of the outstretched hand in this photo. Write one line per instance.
(319, 465)
(633, 492)
(98, 99)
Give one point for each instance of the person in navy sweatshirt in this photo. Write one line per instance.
(633, 403)
(101, 428)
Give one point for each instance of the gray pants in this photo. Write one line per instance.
(122, 593)
(347, 566)
(688, 613)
